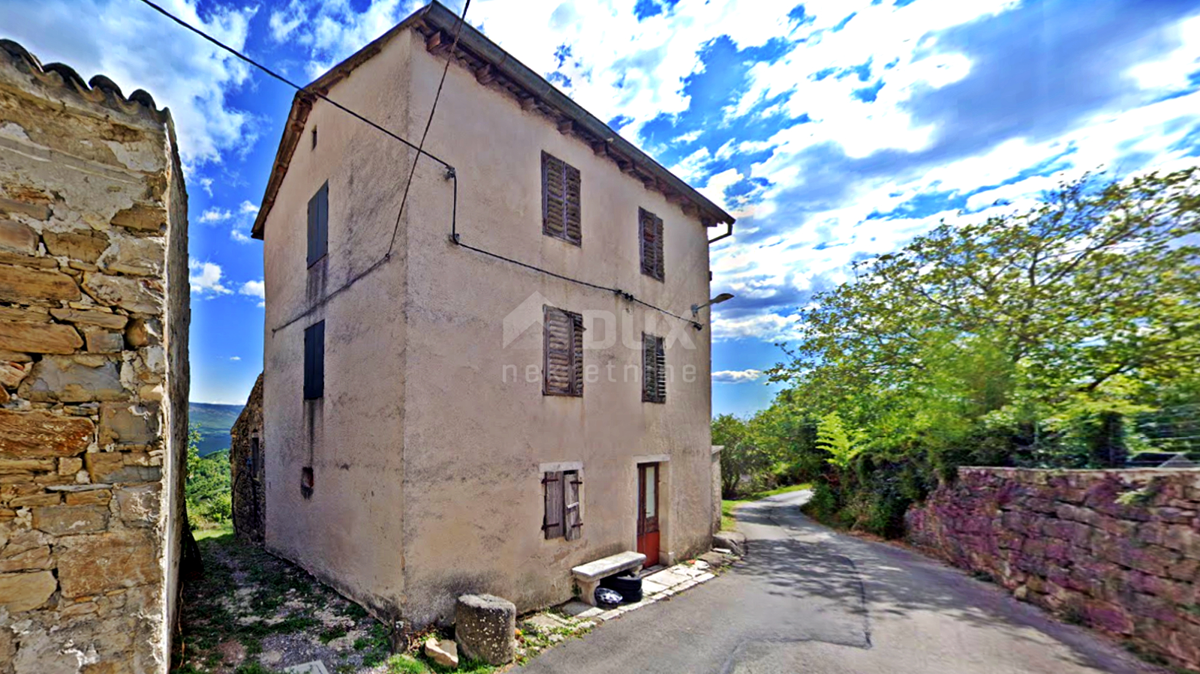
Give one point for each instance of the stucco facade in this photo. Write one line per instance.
(431, 439)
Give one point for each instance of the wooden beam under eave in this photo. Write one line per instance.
(674, 197)
(600, 148)
(434, 42)
(565, 127)
(529, 103)
(690, 210)
(484, 74)
(627, 167)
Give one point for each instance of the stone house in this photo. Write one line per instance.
(505, 379)
(246, 469)
(93, 373)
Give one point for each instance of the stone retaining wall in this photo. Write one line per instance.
(1118, 551)
(93, 373)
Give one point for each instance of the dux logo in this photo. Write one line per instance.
(527, 314)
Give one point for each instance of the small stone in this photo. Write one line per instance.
(39, 337)
(135, 257)
(102, 319)
(145, 217)
(17, 236)
(35, 211)
(85, 245)
(69, 466)
(128, 424)
(11, 466)
(94, 496)
(94, 564)
(138, 334)
(104, 341)
(73, 380)
(139, 506)
(444, 652)
(25, 591)
(70, 520)
(34, 500)
(139, 295)
(12, 372)
(43, 434)
(112, 468)
(21, 285)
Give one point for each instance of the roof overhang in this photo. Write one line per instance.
(496, 69)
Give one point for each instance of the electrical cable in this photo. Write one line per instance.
(428, 123)
(451, 174)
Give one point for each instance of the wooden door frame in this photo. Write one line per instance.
(663, 494)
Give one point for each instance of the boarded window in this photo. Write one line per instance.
(562, 517)
(561, 211)
(654, 369)
(562, 373)
(314, 361)
(650, 228)
(318, 225)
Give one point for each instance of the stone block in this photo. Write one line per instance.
(139, 505)
(112, 468)
(139, 334)
(138, 295)
(39, 337)
(11, 466)
(444, 652)
(132, 256)
(85, 245)
(95, 564)
(13, 372)
(17, 236)
(15, 207)
(41, 434)
(142, 217)
(74, 380)
(484, 627)
(70, 520)
(20, 285)
(69, 466)
(104, 341)
(93, 496)
(733, 541)
(101, 319)
(129, 424)
(33, 500)
(25, 591)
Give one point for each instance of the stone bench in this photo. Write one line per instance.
(588, 576)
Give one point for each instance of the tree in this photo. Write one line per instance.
(740, 456)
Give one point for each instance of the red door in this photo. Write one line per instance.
(647, 519)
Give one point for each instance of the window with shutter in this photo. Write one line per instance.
(654, 369)
(562, 333)
(650, 228)
(318, 225)
(572, 517)
(562, 214)
(552, 520)
(314, 361)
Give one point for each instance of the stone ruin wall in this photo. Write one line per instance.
(248, 476)
(93, 373)
(1116, 550)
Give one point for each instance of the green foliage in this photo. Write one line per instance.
(208, 486)
(1023, 340)
(743, 462)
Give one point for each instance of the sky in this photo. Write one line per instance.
(834, 130)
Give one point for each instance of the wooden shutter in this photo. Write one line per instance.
(552, 519)
(318, 224)
(562, 214)
(562, 333)
(314, 361)
(654, 369)
(650, 230)
(571, 510)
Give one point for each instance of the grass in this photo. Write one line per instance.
(727, 505)
(215, 532)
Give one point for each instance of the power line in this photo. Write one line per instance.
(420, 148)
(290, 83)
(429, 122)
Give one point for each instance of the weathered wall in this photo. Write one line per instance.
(248, 475)
(419, 444)
(350, 436)
(1117, 550)
(477, 431)
(93, 373)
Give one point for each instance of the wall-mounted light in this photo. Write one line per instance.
(723, 297)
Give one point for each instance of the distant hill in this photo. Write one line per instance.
(214, 421)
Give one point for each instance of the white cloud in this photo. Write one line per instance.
(285, 21)
(736, 376)
(140, 49)
(254, 289)
(205, 278)
(235, 358)
(206, 185)
(215, 215)
(248, 208)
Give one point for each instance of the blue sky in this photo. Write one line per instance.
(834, 130)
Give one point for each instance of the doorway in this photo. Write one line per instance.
(647, 516)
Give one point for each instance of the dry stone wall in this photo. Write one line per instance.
(247, 469)
(1118, 551)
(93, 372)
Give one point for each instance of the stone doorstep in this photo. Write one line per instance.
(314, 667)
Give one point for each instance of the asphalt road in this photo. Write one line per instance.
(807, 599)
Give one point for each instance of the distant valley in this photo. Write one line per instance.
(213, 421)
